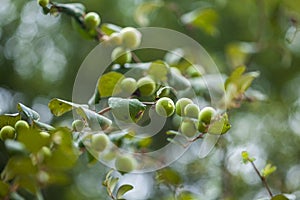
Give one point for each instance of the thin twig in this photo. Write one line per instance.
(101, 112)
(135, 58)
(262, 178)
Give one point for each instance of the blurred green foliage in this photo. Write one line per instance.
(40, 56)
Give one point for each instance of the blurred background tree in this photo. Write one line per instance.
(40, 56)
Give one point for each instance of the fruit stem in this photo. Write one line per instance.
(101, 112)
(262, 178)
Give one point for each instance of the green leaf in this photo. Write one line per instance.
(107, 84)
(28, 183)
(268, 170)
(235, 75)
(279, 197)
(169, 176)
(31, 114)
(144, 10)
(205, 19)
(187, 195)
(73, 9)
(112, 183)
(126, 110)
(4, 189)
(245, 157)
(220, 125)
(9, 119)
(59, 107)
(108, 29)
(94, 120)
(33, 140)
(159, 70)
(15, 147)
(43, 126)
(123, 189)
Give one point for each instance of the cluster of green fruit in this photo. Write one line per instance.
(9, 132)
(128, 38)
(194, 119)
(145, 85)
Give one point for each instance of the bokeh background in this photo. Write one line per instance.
(40, 56)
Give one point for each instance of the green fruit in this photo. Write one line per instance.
(192, 111)
(92, 20)
(128, 85)
(131, 37)
(146, 86)
(45, 138)
(7, 132)
(21, 126)
(181, 104)
(43, 3)
(193, 71)
(188, 128)
(44, 153)
(99, 142)
(165, 107)
(125, 163)
(78, 125)
(115, 39)
(202, 127)
(206, 114)
(121, 56)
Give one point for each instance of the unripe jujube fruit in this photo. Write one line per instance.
(92, 20)
(165, 107)
(43, 3)
(7, 132)
(128, 85)
(131, 37)
(125, 163)
(206, 114)
(45, 138)
(181, 104)
(21, 126)
(146, 86)
(78, 125)
(192, 111)
(115, 39)
(121, 56)
(188, 128)
(99, 141)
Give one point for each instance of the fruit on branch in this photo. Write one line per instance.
(99, 142)
(43, 3)
(188, 128)
(131, 37)
(121, 56)
(192, 111)
(165, 107)
(21, 126)
(125, 163)
(181, 104)
(78, 125)
(7, 132)
(146, 86)
(128, 85)
(92, 20)
(206, 114)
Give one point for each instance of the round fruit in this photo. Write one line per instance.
(21, 126)
(128, 85)
(125, 163)
(92, 20)
(192, 111)
(165, 107)
(121, 56)
(43, 3)
(131, 37)
(78, 125)
(146, 86)
(188, 128)
(206, 114)
(99, 141)
(7, 132)
(45, 153)
(115, 39)
(45, 138)
(181, 104)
